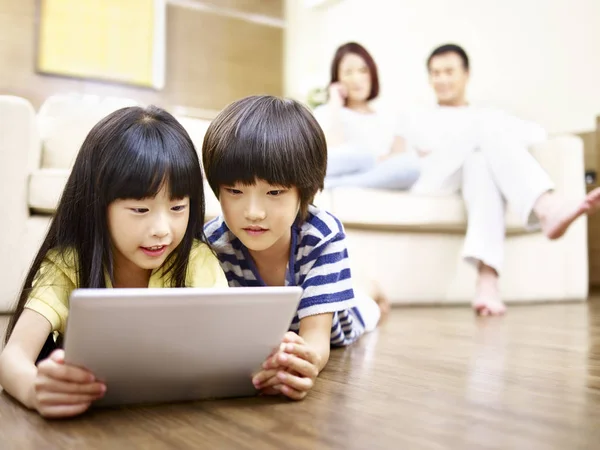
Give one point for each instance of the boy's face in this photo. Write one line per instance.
(260, 215)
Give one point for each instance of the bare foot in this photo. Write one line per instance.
(487, 300)
(381, 299)
(488, 306)
(557, 219)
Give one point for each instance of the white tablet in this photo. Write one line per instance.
(176, 344)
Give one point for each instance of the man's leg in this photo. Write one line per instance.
(484, 240)
(398, 172)
(528, 188)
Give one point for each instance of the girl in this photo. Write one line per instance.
(131, 215)
(362, 149)
(265, 159)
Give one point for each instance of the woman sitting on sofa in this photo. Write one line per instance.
(362, 151)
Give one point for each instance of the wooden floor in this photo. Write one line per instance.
(427, 379)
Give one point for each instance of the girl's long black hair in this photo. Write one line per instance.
(130, 154)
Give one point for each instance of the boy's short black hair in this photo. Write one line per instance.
(450, 48)
(266, 138)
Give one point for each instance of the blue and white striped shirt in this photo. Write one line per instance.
(318, 263)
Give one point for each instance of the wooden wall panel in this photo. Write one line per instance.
(212, 59)
(232, 58)
(592, 149)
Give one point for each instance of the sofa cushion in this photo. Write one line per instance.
(65, 120)
(46, 187)
(196, 128)
(389, 210)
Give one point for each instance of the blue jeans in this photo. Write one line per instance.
(352, 168)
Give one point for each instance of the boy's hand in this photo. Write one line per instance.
(263, 378)
(291, 371)
(61, 390)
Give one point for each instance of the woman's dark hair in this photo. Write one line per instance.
(130, 154)
(357, 49)
(450, 48)
(266, 138)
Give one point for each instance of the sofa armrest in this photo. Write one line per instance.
(19, 142)
(562, 158)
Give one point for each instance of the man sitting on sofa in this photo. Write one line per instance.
(483, 154)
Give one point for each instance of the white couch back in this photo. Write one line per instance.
(63, 122)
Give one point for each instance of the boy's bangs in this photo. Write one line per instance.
(264, 150)
(147, 164)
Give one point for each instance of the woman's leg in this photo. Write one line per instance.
(346, 159)
(398, 172)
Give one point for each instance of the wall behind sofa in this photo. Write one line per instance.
(538, 59)
(217, 51)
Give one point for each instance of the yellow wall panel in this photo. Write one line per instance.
(117, 40)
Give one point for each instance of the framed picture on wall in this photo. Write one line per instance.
(120, 41)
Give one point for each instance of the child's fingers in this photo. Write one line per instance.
(302, 366)
(60, 411)
(271, 362)
(58, 356)
(302, 351)
(269, 382)
(46, 384)
(262, 376)
(295, 382)
(52, 369)
(59, 398)
(292, 393)
(272, 390)
(292, 337)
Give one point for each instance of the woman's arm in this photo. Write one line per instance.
(330, 117)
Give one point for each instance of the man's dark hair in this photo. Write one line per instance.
(450, 48)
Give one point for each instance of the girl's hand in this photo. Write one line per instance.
(291, 371)
(337, 95)
(61, 390)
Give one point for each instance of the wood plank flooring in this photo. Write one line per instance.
(429, 378)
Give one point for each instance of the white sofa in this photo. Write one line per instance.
(409, 244)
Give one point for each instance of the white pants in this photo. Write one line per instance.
(488, 173)
(369, 310)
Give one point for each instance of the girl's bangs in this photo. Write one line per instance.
(147, 164)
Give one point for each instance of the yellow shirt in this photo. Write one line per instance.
(57, 278)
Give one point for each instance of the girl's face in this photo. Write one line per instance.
(260, 215)
(145, 232)
(354, 75)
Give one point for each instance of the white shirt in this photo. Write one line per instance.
(463, 126)
(369, 132)
(451, 133)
